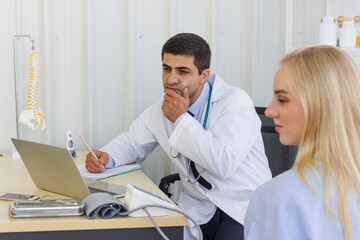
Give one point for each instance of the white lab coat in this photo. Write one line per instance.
(229, 154)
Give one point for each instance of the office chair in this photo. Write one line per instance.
(280, 157)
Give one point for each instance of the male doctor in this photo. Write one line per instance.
(209, 130)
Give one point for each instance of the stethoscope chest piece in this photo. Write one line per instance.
(174, 153)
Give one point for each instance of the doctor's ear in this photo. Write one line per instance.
(204, 75)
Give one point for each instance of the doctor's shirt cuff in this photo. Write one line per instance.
(111, 163)
(179, 119)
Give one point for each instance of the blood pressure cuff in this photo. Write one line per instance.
(102, 203)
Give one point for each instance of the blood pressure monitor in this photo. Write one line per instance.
(136, 197)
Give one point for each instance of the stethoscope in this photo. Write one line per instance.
(175, 153)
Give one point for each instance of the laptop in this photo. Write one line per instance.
(53, 169)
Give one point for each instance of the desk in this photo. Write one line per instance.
(15, 178)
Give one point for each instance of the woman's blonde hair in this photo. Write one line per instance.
(326, 80)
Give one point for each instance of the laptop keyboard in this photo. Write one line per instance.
(96, 190)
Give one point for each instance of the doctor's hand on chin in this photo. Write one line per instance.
(174, 104)
(96, 165)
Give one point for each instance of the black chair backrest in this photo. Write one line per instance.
(280, 157)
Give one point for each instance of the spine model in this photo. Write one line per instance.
(33, 117)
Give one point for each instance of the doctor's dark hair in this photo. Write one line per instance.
(191, 45)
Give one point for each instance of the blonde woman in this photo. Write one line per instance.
(316, 106)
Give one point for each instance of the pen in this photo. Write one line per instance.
(88, 147)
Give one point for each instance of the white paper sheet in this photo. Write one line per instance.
(108, 172)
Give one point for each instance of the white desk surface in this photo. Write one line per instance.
(14, 178)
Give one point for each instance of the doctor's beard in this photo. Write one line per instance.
(175, 88)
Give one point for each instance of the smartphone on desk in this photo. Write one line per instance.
(16, 196)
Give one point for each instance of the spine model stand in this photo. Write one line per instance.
(33, 116)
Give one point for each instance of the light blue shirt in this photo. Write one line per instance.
(285, 208)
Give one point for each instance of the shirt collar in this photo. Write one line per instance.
(201, 101)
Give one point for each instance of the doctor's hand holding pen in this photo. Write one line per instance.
(96, 160)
